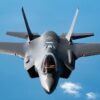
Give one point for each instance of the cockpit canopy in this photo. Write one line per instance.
(49, 65)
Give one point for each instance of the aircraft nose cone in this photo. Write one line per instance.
(49, 84)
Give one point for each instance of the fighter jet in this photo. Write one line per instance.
(50, 56)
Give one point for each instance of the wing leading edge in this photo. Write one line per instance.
(86, 49)
(16, 49)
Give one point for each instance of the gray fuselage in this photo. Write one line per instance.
(50, 61)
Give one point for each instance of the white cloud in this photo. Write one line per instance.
(91, 96)
(71, 88)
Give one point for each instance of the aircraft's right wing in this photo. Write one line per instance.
(86, 49)
(12, 49)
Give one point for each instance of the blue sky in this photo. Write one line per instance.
(43, 15)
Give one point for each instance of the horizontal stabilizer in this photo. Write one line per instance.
(78, 35)
(18, 34)
(81, 35)
(22, 35)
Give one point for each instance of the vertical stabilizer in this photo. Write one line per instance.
(30, 35)
(68, 36)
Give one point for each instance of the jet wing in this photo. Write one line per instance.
(86, 49)
(16, 49)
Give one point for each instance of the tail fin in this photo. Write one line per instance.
(30, 35)
(68, 36)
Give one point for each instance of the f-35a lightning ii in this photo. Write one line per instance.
(50, 56)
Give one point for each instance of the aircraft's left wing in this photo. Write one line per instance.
(86, 49)
(12, 48)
